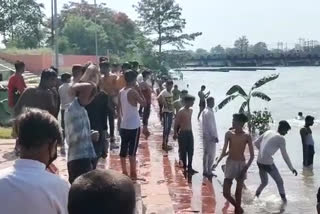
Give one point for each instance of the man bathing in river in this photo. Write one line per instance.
(268, 144)
(203, 97)
(183, 131)
(307, 142)
(236, 166)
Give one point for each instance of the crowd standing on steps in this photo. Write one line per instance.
(95, 103)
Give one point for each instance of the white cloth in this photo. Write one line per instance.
(65, 96)
(268, 144)
(168, 97)
(130, 118)
(140, 78)
(27, 188)
(209, 153)
(209, 127)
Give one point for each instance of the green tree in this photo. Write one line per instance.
(21, 23)
(163, 19)
(242, 45)
(218, 50)
(79, 36)
(259, 49)
(237, 91)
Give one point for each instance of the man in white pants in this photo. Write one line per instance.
(210, 138)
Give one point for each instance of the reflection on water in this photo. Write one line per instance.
(297, 89)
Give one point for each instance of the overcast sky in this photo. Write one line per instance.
(223, 21)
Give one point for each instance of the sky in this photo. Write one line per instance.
(223, 21)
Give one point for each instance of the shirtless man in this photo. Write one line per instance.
(236, 167)
(183, 131)
(307, 142)
(203, 97)
(146, 91)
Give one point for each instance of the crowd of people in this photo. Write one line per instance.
(89, 100)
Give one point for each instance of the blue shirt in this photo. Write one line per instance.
(78, 132)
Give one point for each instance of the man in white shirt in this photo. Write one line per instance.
(210, 138)
(268, 144)
(166, 99)
(27, 187)
(65, 96)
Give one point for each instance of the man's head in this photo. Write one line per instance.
(115, 68)
(300, 114)
(102, 191)
(183, 94)
(134, 65)
(169, 85)
(203, 88)
(19, 66)
(38, 135)
(131, 77)
(104, 67)
(283, 127)
(146, 75)
(77, 72)
(189, 100)
(65, 78)
(239, 120)
(175, 87)
(48, 79)
(103, 59)
(210, 102)
(309, 120)
(125, 66)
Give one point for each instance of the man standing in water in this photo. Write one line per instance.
(166, 99)
(307, 142)
(236, 167)
(203, 97)
(210, 138)
(268, 144)
(129, 118)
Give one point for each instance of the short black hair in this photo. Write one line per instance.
(300, 113)
(134, 64)
(19, 65)
(210, 99)
(46, 75)
(203, 86)
(309, 118)
(189, 98)
(284, 125)
(102, 59)
(102, 191)
(240, 117)
(169, 82)
(54, 69)
(37, 127)
(104, 65)
(126, 66)
(65, 77)
(184, 92)
(146, 73)
(130, 76)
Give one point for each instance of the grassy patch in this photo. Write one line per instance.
(5, 133)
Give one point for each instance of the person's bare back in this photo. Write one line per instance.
(237, 144)
(184, 119)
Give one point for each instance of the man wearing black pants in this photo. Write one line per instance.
(307, 142)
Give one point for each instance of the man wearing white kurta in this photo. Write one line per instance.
(210, 138)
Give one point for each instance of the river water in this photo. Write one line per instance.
(297, 89)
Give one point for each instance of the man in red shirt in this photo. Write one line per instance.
(16, 84)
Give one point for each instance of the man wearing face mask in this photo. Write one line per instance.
(27, 187)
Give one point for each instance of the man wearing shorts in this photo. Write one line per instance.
(129, 98)
(236, 166)
(268, 144)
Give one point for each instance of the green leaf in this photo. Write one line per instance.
(227, 100)
(265, 80)
(261, 95)
(243, 106)
(236, 88)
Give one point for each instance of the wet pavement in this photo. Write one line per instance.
(162, 188)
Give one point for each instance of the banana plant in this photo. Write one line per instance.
(237, 91)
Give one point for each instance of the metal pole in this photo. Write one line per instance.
(52, 25)
(96, 34)
(56, 27)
